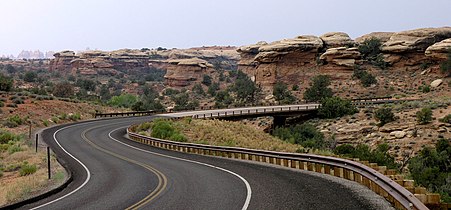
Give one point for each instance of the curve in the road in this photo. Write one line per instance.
(193, 181)
(248, 186)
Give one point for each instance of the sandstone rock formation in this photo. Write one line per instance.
(382, 36)
(280, 60)
(436, 83)
(62, 61)
(182, 72)
(337, 39)
(295, 61)
(91, 62)
(407, 48)
(341, 58)
(439, 51)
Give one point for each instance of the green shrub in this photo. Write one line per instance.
(170, 92)
(424, 116)
(432, 169)
(27, 169)
(6, 83)
(446, 119)
(370, 48)
(14, 148)
(46, 123)
(336, 107)
(197, 89)
(223, 99)
(6, 137)
(164, 129)
(384, 116)
(124, 100)
(305, 134)
(370, 51)
(282, 94)
(206, 80)
(319, 89)
(295, 87)
(144, 127)
(365, 78)
(178, 137)
(425, 88)
(2, 104)
(246, 90)
(379, 155)
(14, 121)
(75, 117)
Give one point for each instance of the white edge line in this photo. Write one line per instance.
(248, 186)
(86, 169)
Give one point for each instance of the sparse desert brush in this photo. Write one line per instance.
(226, 133)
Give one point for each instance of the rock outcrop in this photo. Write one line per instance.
(93, 62)
(183, 72)
(62, 61)
(407, 48)
(382, 36)
(295, 61)
(281, 60)
(337, 39)
(341, 58)
(440, 50)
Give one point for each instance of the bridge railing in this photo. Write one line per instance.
(256, 110)
(122, 114)
(372, 176)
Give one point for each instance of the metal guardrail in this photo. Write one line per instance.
(399, 196)
(257, 110)
(121, 114)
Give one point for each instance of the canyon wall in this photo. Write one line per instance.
(294, 61)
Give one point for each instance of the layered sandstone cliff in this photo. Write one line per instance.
(294, 61)
(183, 66)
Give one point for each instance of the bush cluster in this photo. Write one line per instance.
(370, 51)
(379, 155)
(336, 107)
(27, 169)
(384, 116)
(282, 94)
(446, 119)
(319, 89)
(365, 78)
(165, 129)
(432, 168)
(304, 134)
(424, 116)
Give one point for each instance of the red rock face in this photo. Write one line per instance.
(293, 61)
(93, 61)
(184, 72)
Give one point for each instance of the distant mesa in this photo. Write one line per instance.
(292, 61)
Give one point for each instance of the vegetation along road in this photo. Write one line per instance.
(111, 172)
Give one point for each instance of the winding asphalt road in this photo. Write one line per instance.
(112, 172)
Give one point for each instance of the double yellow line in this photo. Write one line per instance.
(162, 180)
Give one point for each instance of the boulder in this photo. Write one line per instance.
(337, 39)
(440, 50)
(417, 40)
(341, 56)
(299, 43)
(398, 134)
(382, 36)
(436, 83)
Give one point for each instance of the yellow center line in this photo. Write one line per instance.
(162, 180)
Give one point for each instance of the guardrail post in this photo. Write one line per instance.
(48, 163)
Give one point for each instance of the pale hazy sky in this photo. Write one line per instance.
(114, 24)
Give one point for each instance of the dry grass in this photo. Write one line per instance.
(15, 187)
(234, 134)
